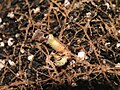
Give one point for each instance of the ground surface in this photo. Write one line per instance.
(88, 26)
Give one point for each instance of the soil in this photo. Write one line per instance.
(90, 28)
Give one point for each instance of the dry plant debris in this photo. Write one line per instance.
(59, 44)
